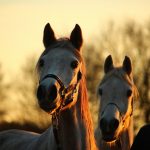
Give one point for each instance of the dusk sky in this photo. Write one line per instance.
(22, 23)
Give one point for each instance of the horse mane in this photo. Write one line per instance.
(119, 72)
(84, 105)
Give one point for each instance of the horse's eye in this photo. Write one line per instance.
(41, 63)
(74, 64)
(100, 91)
(129, 93)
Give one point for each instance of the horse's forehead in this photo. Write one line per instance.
(116, 83)
(115, 92)
(60, 53)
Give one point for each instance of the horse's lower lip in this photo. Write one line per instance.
(48, 107)
(109, 138)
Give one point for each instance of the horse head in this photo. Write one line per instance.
(117, 93)
(59, 69)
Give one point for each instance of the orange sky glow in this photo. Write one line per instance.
(22, 23)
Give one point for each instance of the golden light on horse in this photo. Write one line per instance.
(61, 92)
(117, 93)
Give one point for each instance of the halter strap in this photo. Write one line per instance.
(55, 129)
(56, 78)
(65, 100)
(122, 117)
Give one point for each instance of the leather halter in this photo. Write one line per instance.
(55, 77)
(65, 100)
(122, 117)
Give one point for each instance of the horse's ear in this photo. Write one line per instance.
(108, 65)
(127, 65)
(48, 35)
(76, 37)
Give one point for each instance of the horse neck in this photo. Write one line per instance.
(68, 131)
(76, 131)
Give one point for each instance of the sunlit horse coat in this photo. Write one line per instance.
(117, 93)
(62, 92)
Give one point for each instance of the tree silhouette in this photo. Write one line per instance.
(27, 110)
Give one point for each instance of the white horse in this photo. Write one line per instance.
(117, 93)
(61, 92)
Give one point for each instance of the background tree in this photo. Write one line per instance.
(3, 92)
(21, 107)
(26, 95)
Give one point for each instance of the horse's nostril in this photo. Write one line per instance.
(114, 123)
(40, 92)
(109, 126)
(103, 124)
(48, 94)
(52, 93)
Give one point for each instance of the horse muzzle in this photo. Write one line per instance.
(48, 94)
(110, 123)
(109, 129)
